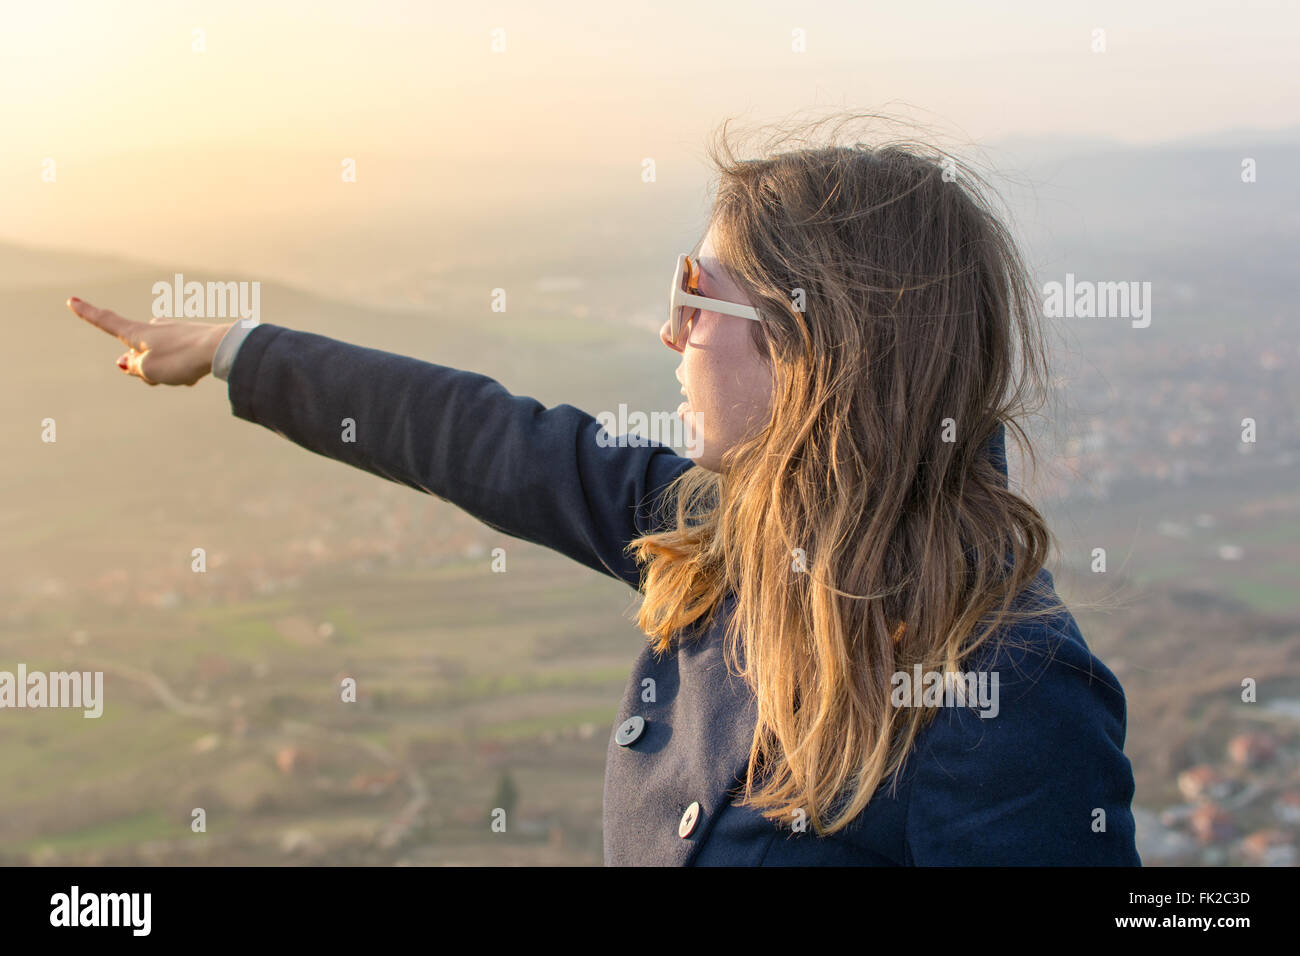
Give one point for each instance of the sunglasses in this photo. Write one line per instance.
(685, 303)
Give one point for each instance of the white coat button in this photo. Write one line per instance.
(630, 731)
(691, 817)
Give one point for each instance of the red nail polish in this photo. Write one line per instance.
(74, 299)
(122, 364)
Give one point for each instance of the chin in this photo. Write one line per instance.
(692, 439)
(703, 454)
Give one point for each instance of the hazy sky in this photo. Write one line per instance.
(162, 150)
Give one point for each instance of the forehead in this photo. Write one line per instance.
(704, 257)
(713, 277)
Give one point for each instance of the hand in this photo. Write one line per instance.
(160, 351)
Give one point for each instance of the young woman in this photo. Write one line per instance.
(856, 655)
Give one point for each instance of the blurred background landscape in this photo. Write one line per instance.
(480, 690)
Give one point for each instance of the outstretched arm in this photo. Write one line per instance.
(532, 472)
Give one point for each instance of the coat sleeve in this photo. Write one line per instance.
(532, 472)
(1033, 785)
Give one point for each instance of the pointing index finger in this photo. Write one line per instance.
(112, 323)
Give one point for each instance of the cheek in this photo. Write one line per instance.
(730, 384)
(710, 379)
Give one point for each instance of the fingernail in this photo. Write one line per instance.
(74, 299)
(122, 363)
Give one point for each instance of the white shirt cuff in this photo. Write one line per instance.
(229, 345)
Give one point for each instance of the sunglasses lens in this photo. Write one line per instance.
(684, 315)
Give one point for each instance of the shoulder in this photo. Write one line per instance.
(1038, 777)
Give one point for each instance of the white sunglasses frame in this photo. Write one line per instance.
(679, 298)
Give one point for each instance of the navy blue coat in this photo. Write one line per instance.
(1028, 787)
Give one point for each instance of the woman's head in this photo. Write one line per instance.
(846, 489)
(894, 303)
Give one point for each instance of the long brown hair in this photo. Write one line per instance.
(862, 531)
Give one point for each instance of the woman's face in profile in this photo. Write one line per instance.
(726, 382)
